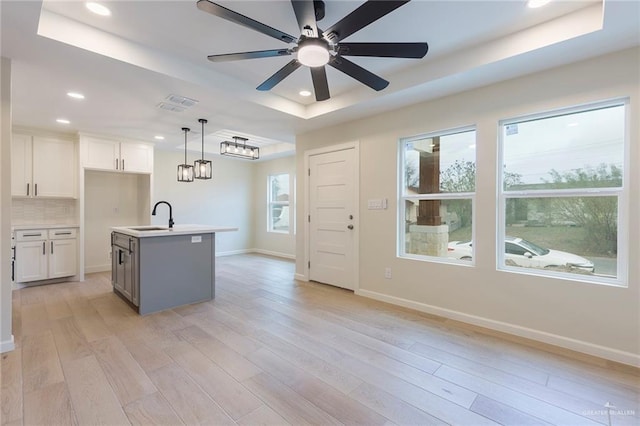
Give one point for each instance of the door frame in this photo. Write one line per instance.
(355, 145)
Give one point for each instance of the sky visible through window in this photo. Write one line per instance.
(564, 143)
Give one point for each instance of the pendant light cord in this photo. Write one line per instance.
(185, 144)
(203, 121)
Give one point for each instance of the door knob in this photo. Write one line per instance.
(350, 226)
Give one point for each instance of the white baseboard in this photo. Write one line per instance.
(254, 250)
(529, 333)
(301, 277)
(232, 252)
(97, 268)
(7, 345)
(274, 253)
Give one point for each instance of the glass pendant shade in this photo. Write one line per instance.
(203, 168)
(239, 148)
(185, 171)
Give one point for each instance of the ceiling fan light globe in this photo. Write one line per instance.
(312, 55)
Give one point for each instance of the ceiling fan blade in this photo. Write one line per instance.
(367, 13)
(356, 71)
(384, 50)
(320, 83)
(225, 57)
(235, 17)
(306, 16)
(280, 75)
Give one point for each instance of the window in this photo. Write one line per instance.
(437, 187)
(279, 214)
(561, 193)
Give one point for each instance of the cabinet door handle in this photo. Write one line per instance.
(51, 247)
(36, 191)
(117, 164)
(119, 257)
(44, 247)
(27, 190)
(33, 235)
(123, 164)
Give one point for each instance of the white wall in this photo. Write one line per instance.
(6, 338)
(111, 199)
(597, 319)
(225, 200)
(273, 243)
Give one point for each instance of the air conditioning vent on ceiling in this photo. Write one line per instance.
(181, 100)
(170, 107)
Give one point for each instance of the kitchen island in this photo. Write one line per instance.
(156, 268)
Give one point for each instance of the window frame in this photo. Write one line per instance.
(621, 193)
(401, 223)
(271, 203)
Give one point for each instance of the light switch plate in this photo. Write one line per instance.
(377, 204)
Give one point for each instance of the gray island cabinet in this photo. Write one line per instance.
(156, 268)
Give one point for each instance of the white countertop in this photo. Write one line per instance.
(29, 227)
(165, 232)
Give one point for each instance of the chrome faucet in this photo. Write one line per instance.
(153, 213)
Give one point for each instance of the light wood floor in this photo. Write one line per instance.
(270, 350)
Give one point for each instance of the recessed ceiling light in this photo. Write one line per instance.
(159, 137)
(75, 95)
(534, 4)
(573, 124)
(304, 93)
(98, 9)
(63, 121)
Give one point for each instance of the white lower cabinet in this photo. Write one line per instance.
(31, 261)
(62, 258)
(45, 254)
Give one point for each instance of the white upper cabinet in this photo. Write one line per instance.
(21, 166)
(43, 167)
(100, 154)
(136, 157)
(105, 154)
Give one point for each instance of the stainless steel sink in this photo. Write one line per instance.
(149, 228)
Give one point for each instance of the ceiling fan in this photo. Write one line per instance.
(316, 48)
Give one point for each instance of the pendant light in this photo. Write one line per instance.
(202, 167)
(185, 171)
(239, 148)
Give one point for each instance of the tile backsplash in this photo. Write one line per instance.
(31, 211)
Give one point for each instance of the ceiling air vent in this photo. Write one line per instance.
(181, 100)
(170, 107)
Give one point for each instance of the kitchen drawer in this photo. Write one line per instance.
(62, 233)
(121, 240)
(31, 235)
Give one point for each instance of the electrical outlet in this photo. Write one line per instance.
(109, 254)
(387, 273)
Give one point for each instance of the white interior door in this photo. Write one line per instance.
(332, 208)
